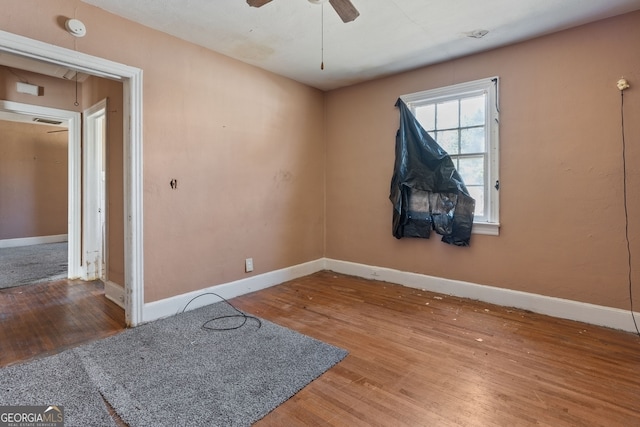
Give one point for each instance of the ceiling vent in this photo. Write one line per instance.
(477, 34)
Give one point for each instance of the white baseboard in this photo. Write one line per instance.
(566, 309)
(562, 308)
(114, 292)
(174, 305)
(28, 241)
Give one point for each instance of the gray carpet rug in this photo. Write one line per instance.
(172, 372)
(58, 380)
(33, 264)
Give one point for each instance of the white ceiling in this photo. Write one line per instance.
(389, 36)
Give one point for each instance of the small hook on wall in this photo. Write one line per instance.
(174, 184)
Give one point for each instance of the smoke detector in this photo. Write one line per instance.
(75, 27)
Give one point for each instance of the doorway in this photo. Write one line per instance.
(42, 311)
(131, 78)
(72, 121)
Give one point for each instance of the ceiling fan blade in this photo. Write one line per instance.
(257, 3)
(345, 9)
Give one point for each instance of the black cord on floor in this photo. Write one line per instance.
(626, 213)
(239, 315)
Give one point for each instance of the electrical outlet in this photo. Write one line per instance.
(248, 265)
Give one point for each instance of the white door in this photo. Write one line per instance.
(94, 192)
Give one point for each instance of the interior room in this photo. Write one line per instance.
(251, 161)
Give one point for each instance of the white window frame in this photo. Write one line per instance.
(490, 88)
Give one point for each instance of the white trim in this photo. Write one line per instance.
(562, 308)
(29, 241)
(133, 207)
(114, 292)
(486, 228)
(174, 305)
(73, 120)
(93, 189)
(131, 78)
(445, 92)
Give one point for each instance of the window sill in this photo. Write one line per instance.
(486, 228)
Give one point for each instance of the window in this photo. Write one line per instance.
(463, 119)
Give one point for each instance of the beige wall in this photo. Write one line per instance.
(33, 180)
(246, 147)
(57, 93)
(40, 207)
(248, 150)
(561, 194)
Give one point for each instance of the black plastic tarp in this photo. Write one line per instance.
(427, 191)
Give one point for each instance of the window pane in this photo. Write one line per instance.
(447, 115)
(472, 170)
(477, 192)
(472, 111)
(448, 140)
(426, 116)
(472, 140)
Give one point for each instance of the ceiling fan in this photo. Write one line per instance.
(344, 8)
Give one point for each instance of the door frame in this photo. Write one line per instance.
(131, 78)
(94, 193)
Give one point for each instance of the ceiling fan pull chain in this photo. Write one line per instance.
(76, 103)
(322, 36)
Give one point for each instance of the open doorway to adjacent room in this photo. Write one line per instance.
(33, 195)
(79, 176)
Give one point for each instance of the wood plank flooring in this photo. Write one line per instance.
(423, 359)
(46, 318)
(415, 358)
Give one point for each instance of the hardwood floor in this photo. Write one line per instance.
(415, 358)
(422, 359)
(46, 318)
